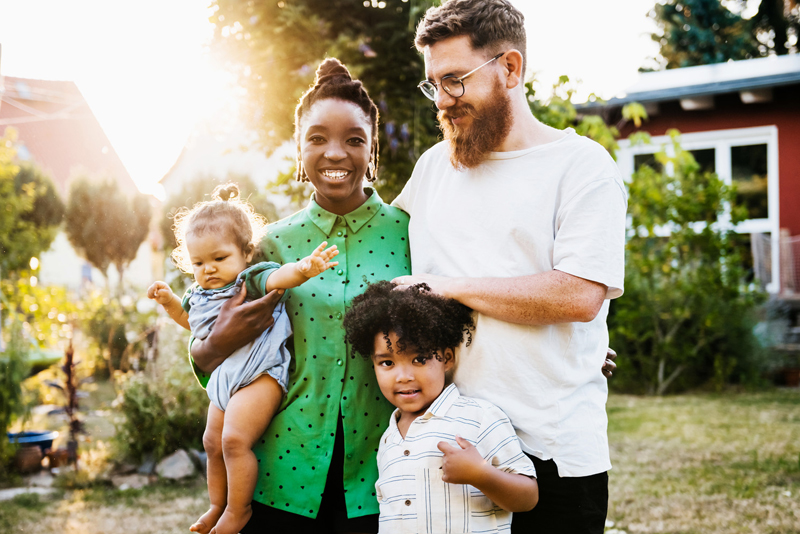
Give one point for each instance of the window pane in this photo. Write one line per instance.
(706, 159)
(749, 173)
(646, 159)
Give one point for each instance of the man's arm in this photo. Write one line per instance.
(538, 299)
(238, 323)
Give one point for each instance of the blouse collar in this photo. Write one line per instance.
(356, 219)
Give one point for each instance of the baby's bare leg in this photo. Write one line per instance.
(216, 475)
(247, 417)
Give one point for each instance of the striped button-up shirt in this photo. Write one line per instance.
(412, 496)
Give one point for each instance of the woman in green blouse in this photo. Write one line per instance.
(317, 466)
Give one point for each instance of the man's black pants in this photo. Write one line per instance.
(569, 505)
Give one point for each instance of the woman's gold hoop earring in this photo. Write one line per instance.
(371, 172)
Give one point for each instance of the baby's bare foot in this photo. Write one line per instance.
(207, 520)
(232, 521)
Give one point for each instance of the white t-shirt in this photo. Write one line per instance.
(559, 206)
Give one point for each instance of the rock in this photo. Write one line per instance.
(8, 494)
(148, 466)
(42, 479)
(175, 466)
(125, 482)
(125, 469)
(199, 459)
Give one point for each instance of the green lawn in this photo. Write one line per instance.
(701, 464)
(706, 463)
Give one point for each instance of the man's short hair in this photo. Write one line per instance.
(490, 25)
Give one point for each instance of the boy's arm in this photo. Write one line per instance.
(510, 491)
(293, 274)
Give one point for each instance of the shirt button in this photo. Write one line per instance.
(406, 453)
(338, 315)
(339, 234)
(349, 456)
(340, 272)
(339, 362)
(408, 502)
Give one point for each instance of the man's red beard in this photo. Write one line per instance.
(487, 128)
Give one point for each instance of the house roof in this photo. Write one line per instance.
(58, 131)
(705, 80)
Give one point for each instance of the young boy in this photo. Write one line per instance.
(446, 463)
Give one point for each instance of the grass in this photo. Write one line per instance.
(690, 464)
(706, 463)
(159, 509)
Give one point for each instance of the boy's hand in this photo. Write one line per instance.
(160, 292)
(319, 261)
(463, 465)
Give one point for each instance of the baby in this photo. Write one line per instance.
(216, 241)
(447, 463)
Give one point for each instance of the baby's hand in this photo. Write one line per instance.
(319, 261)
(463, 465)
(160, 292)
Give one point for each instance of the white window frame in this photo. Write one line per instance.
(722, 141)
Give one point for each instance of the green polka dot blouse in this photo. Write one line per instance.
(295, 453)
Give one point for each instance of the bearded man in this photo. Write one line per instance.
(526, 225)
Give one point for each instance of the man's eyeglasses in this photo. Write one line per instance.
(452, 85)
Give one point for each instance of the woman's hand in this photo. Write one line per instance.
(238, 323)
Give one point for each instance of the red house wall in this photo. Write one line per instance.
(728, 113)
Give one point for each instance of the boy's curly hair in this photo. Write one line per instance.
(423, 321)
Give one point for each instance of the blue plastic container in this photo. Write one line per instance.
(42, 438)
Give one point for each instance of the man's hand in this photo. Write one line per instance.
(609, 366)
(238, 323)
(439, 285)
(463, 465)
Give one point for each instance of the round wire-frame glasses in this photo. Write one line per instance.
(453, 86)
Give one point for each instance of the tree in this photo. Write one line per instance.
(105, 225)
(686, 316)
(774, 22)
(274, 47)
(701, 32)
(32, 210)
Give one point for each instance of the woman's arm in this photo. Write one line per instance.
(238, 323)
(510, 491)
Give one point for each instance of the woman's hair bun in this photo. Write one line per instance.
(226, 192)
(329, 69)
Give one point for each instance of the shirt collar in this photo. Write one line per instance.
(443, 402)
(355, 220)
(438, 408)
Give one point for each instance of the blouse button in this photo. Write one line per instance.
(406, 453)
(339, 233)
(408, 502)
(339, 362)
(340, 272)
(338, 315)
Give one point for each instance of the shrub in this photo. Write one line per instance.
(164, 408)
(13, 370)
(688, 312)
